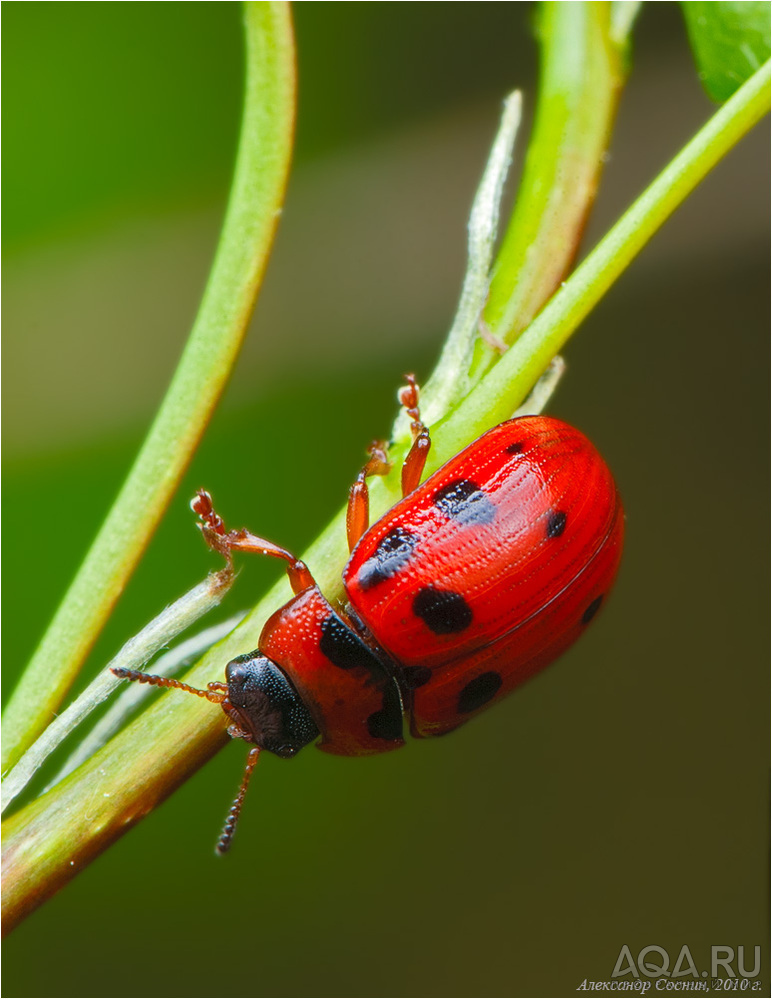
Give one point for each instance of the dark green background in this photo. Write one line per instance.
(621, 798)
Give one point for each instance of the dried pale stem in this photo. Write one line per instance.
(450, 379)
(135, 693)
(140, 649)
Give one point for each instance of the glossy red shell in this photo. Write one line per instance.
(341, 683)
(470, 584)
(490, 569)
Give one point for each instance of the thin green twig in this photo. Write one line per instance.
(253, 210)
(138, 651)
(518, 369)
(133, 694)
(584, 66)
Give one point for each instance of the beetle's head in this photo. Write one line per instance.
(265, 707)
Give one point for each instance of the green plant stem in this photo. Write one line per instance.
(138, 651)
(583, 67)
(504, 387)
(582, 72)
(52, 838)
(450, 380)
(172, 661)
(255, 202)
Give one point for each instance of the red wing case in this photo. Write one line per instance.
(491, 568)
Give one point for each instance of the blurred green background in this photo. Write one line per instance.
(620, 798)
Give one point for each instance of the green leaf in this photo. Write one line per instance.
(729, 40)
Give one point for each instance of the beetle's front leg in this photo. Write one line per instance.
(226, 542)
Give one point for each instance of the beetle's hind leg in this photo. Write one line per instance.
(358, 511)
(415, 461)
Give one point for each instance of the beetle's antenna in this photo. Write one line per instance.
(224, 842)
(215, 692)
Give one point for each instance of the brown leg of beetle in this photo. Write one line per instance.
(415, 462)
(408, 396)
(226, 542)
(358, 510)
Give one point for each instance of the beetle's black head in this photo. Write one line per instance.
(265, 706)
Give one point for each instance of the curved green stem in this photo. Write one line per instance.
(260, 176)
(138, 651)
(582, 72)
(502, 390)
(583, 67)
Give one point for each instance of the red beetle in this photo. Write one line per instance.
(472, 582)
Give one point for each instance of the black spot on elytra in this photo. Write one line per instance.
(443, 611)
(592, 610)
(393, 551)
(342, 647)
(387, 723)
(515, 448)
(478, 692)
(556, 524)
(416, 676)
(465, 502)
